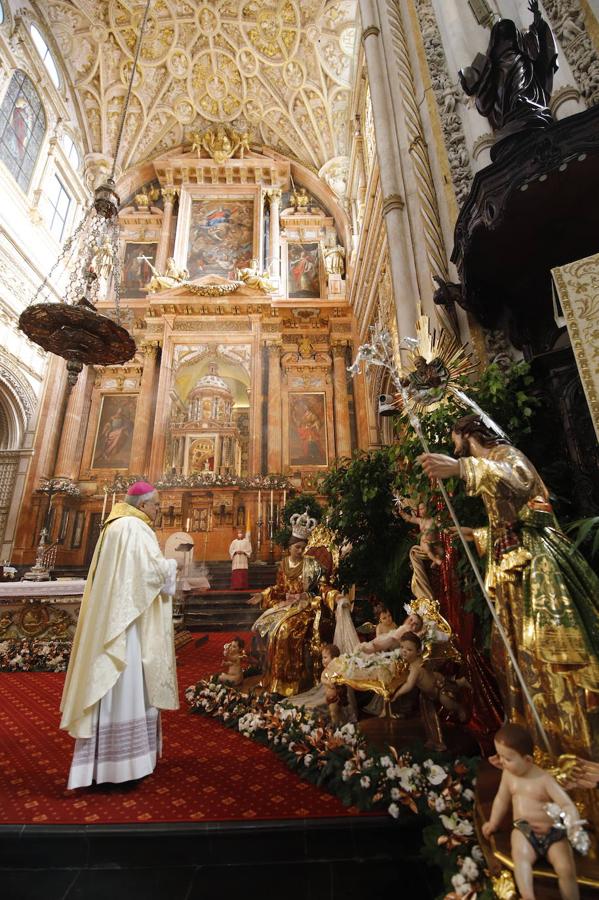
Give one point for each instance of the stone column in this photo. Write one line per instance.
(342, 426)
(274, 196)
(405, 286)
(168, 196)
(274, 408)
(68, 461)
(143, 415)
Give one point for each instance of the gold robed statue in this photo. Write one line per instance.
(546, 595)
(299, 609)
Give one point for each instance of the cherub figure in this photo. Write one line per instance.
(535, 797)
(335, 695)
(427, 550)
(233, 656)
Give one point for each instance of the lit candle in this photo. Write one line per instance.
(113, 498)
(284, 497)
(187, 526)
(259, 499)
(104, 505)
(272, 500)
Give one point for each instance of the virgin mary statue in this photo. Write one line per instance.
(298, 614)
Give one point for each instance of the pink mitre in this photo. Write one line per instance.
(140, 487)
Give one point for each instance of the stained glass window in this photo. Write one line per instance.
(22, 128)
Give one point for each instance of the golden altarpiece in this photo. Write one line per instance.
(233, 275)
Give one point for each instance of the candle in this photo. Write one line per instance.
(272, 500)
(188, 523)
(104, 505)
(284, 496)
(259, 499)
(113, 498)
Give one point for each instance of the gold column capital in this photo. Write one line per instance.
(169, 194)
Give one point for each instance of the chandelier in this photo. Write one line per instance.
(71, 327)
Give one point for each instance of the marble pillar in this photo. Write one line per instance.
(274, 263)
(274, 408)
(340, 400)
(405, 285)
(140, 449)
(162, 252)
(68, 460)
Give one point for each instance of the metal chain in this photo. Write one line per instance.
(130, 88)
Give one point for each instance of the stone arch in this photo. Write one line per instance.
(17, 403)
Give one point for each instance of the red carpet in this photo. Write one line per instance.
(207, 773)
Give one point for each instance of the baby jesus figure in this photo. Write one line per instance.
(429, 549)
(233, 656)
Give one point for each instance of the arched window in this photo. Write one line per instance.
(22, 128)
(71, 152)
(47, 58)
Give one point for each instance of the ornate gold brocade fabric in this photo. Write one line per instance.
(546, 597)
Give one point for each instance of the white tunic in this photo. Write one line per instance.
(238, 550)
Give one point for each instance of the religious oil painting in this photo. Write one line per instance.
(136, 270)
(220, 237)
(303, 273)
(115, 432)
(22, 128)
(307, 430)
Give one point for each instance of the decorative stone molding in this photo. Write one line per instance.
(372, 30)
(567, 21)
(448, 98)
(393, 201)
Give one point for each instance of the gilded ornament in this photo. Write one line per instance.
(503, 886)
(221, 143)
(256, 279)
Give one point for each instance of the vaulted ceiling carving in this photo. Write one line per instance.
(277, 68)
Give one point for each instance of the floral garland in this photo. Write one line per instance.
(34, 656)
(340, 761)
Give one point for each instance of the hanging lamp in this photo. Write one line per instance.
(71, 327)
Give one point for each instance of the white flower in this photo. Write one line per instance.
(437, 802)
(468, 795)
(435, 774)
(308, 759)
(291, 745)
(460, 885)
(477, 854)
(360, 754)
(365, 781)
(305, 728)
(395, 793)
(393, 810)
(386, 762)
(469, 869)
(407, 778)
(464, 827)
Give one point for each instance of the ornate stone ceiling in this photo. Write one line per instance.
(278, 68)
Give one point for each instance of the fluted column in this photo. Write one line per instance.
(274, 408)
(168, 196)
(340, 400)
(405, 286)
(274, 196)
(143, 415)
(68, 460)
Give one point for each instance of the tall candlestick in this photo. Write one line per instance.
(259, 500)
(272, 500)
(113, 498)
(284, 497)
(104, 506)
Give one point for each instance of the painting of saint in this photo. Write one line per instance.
(303, 270)
(307, 430)
(115, 432)
(22, 128)
(220, 237)
(136, 272)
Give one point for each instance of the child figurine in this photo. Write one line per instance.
(386, 623)
(429, 549)
(530, 790)
(392, 639)
(335, 694)
(434, 689)
(233, 655)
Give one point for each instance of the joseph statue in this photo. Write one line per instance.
(122, 666)
(546, 596)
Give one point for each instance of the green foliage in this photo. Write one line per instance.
(585, 535)
(359, 492)
(296, 504)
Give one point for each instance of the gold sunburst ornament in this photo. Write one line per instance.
(437, 363)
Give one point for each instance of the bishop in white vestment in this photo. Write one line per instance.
(122, 667)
